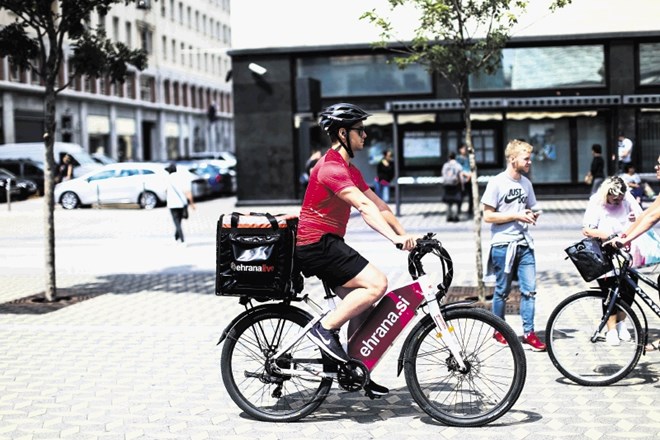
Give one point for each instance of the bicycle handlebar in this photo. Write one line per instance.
(612, 250)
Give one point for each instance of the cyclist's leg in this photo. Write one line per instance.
(606, 284)
(358, 295)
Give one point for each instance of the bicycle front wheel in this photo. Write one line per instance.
(495, 373)
(582, 355)
(262, 392)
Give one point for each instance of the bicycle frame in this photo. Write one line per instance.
(623, 273)
(385, 323)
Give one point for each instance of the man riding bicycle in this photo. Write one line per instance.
(335, 185)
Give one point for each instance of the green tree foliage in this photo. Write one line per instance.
(37, 39)
(456, 39)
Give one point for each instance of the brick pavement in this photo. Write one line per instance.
(140, 360)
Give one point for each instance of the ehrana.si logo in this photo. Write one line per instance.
(252, 267)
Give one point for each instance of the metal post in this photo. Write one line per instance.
(397, 162)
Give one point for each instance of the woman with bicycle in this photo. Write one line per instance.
(335, 186)
(610, 211)
(642, 224)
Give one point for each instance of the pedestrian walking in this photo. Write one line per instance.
(452, 186)
(179, 198)
(466, 177)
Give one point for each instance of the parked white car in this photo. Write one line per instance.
(143, 183)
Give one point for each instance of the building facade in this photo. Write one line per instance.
(181, 104)
(561, 93)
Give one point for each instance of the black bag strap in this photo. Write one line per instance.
(273, 221)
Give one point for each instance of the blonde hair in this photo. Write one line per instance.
(614, 186)
(515, 147)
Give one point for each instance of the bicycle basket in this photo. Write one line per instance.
(589, 258)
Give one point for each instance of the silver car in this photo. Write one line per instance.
(142, 183)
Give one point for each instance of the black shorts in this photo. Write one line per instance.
(331, 259)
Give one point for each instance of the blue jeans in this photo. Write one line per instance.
(525, 266)
(383, 191)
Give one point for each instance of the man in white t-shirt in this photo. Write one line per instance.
(624, 152)
(508, 201)
(179, 197)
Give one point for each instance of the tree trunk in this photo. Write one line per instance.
(49, 201)
(481, 288)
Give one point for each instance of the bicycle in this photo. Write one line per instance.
(575, 328)
(453, 368)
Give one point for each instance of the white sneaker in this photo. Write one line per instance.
(623, 332)
(612, 337)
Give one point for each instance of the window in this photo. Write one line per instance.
(146, 36)
(483, 142)
(421, 148)
(364, 75)
(147, 88)
(526, 68)
(649, 64)
(144, 4)
(129, 173)
(130, 86)
(164, 47)
(102, 175)
(129, 36)
(115, 28)
(166, 92)
(14, 73)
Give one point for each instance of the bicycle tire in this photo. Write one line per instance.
(245, 357)
(570, 328)
(491, 386)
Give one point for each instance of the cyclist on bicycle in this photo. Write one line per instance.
(335, 185)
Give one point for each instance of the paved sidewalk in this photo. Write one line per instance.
(140, 360)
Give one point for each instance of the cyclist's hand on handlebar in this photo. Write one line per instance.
(617, 242)
(405, 242)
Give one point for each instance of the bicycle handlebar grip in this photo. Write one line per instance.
(399, 246)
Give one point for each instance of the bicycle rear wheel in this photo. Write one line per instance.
(487, 390)
(253, 385)
(569, 331)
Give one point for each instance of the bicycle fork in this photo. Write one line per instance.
(445, 332)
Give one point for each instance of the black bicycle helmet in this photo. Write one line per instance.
(341, 115)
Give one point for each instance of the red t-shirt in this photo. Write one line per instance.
(323, 212)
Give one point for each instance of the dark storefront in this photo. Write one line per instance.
(561, 94)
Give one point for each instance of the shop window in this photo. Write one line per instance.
(527, 68)
(364, 75)
(551, 156)
(483, 142)
(649, 64)
(421, 148)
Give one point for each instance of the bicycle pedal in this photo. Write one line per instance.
(371, 395)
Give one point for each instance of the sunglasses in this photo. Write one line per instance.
(360, 130)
